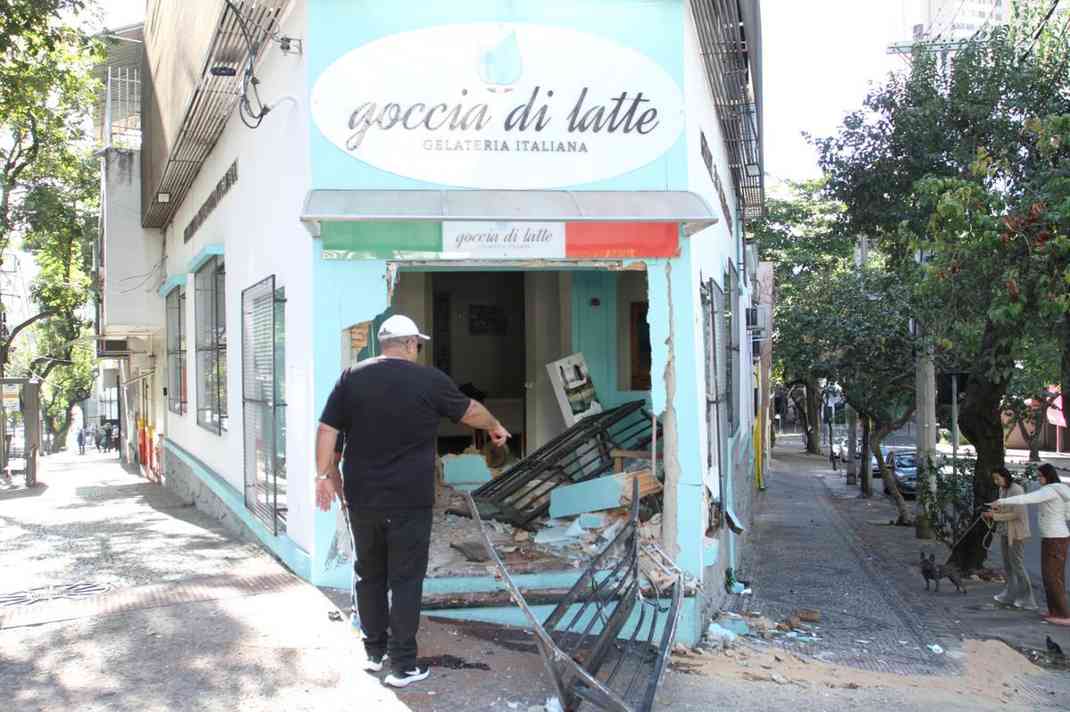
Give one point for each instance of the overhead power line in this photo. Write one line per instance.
(1040, 29)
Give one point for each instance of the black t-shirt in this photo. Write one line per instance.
(389, 410)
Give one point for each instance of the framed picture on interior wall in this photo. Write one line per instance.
(574, 388)
(487, 320)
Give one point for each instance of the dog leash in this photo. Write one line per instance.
(986, 540)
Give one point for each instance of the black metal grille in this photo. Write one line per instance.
(522, 493)
(211, 345)
(607, 641)
(734, 83)
(176, 350)
(262, 405)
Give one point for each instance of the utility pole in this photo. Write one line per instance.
(925, 414)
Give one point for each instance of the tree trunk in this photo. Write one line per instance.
(866, 472)
(888, 478)
(59, 435)
(980, 422)
(800, 413)
(813, 418)
(1031, 439)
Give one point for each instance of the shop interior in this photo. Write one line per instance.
(541, 349)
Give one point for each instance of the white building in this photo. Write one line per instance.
(625, 134)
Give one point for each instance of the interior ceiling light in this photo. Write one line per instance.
(163, 197)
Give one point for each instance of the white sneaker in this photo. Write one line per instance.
(406, 678)
(1000, 598)
(374, 664)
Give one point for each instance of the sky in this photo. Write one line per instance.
(820, 57)
(124, 12)
(819, 60)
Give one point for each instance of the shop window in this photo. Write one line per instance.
(263, 383)
(211, 325)
(176, 350)
(639, 336)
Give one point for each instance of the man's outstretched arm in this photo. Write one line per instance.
(477, 416)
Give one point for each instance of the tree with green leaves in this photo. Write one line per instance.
(961, 161)
(1032, 391)
(798, 234)
(48, 181)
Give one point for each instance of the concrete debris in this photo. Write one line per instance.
(472, 550)
(521, 535)
(808, 615)
(601, 493)
(717, 632)
(560, 534)
(736, 625)
(553, 705)
(935, 649)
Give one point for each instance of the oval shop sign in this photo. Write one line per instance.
(492, 105)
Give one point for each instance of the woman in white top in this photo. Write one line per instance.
(1053, 499)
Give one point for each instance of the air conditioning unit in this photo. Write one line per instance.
(111, 348)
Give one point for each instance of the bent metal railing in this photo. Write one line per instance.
(522, 493)
(607, 641)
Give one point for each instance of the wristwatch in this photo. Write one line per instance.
(323, 476)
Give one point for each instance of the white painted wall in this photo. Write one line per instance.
(713, 248)
(258, 224)
(131, 253)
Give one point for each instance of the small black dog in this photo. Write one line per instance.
(934, 572)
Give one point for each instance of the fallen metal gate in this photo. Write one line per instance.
(607, 641)
(522, 493)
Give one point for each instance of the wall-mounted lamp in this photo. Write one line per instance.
(222, 70)
(163, 197)
(753, 171)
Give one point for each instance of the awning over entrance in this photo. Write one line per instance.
(668, 206)
(503, 224)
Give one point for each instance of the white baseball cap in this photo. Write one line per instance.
(400, 326)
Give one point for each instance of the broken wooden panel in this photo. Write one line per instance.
(584, 451)
(607, 640)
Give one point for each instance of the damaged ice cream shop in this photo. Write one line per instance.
(557, 194)
(561, 209)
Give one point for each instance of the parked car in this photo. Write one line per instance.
(904, 467)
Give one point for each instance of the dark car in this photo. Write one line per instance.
(904, 467)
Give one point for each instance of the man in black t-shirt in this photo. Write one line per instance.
(389, 409)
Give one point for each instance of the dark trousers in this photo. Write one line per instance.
(392, 551)
(1053, 571)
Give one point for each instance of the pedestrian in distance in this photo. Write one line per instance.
(1012, 525)
(389, 408)
(1053, 504)
(98, 439)
(81, 441)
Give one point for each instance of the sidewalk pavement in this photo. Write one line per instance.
(951, 616)
(164, 610)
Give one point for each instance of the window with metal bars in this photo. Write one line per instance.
(176, 350)
(211, 326)
(730, 306)
(264, 402)
(717, 390)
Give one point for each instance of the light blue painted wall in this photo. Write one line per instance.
(345, 293)
(594, 333)
(338, 26)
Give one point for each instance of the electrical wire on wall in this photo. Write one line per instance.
(251, 110)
